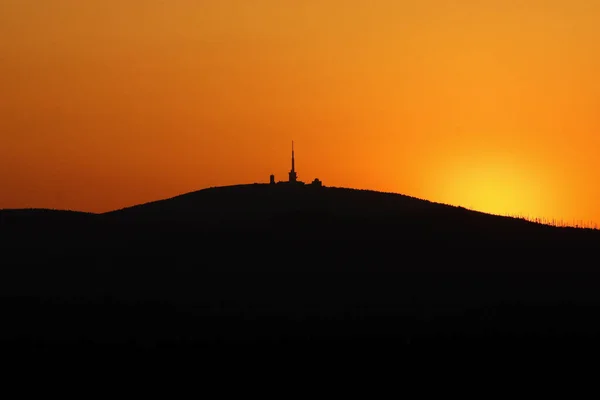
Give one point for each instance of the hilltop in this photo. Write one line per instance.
(233, 207)
(291, 261)
(332, 213)
(307, 221)
(298, 219)
(260, 202)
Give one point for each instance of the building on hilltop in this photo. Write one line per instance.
(293, 175)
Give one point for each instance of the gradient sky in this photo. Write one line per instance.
(492, 104)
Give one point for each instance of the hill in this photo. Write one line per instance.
(260, 202)
(299, 219)
(17, 218)
(278, 261)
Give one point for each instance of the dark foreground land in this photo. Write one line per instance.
(262, 265)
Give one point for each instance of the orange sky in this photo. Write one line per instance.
(486, 104)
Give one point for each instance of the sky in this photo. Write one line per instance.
(491, 105)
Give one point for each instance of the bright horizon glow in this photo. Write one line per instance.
(487, 105)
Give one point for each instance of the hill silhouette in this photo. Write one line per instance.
(301, 219)
(289, 262)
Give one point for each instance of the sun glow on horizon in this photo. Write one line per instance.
(495, 183)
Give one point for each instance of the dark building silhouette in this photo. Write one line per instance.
(293, 175)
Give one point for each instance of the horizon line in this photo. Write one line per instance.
(545, 221)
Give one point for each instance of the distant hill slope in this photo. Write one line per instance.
(298, 213)
(259, 201)
(291, 262)
(40, 216)
(280, 204)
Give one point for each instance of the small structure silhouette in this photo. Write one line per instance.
(272, 180)
(317, 182)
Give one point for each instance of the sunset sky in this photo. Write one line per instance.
(488, 104)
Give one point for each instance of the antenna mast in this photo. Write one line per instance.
(292, 174)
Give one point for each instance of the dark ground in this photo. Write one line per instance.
(259, 266)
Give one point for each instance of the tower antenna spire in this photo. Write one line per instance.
(293, 175)
(293, 159)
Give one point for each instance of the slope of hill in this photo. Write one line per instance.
(281, 213)
(261, 201)
(41, 217)
(262, 261)
(308, 222)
